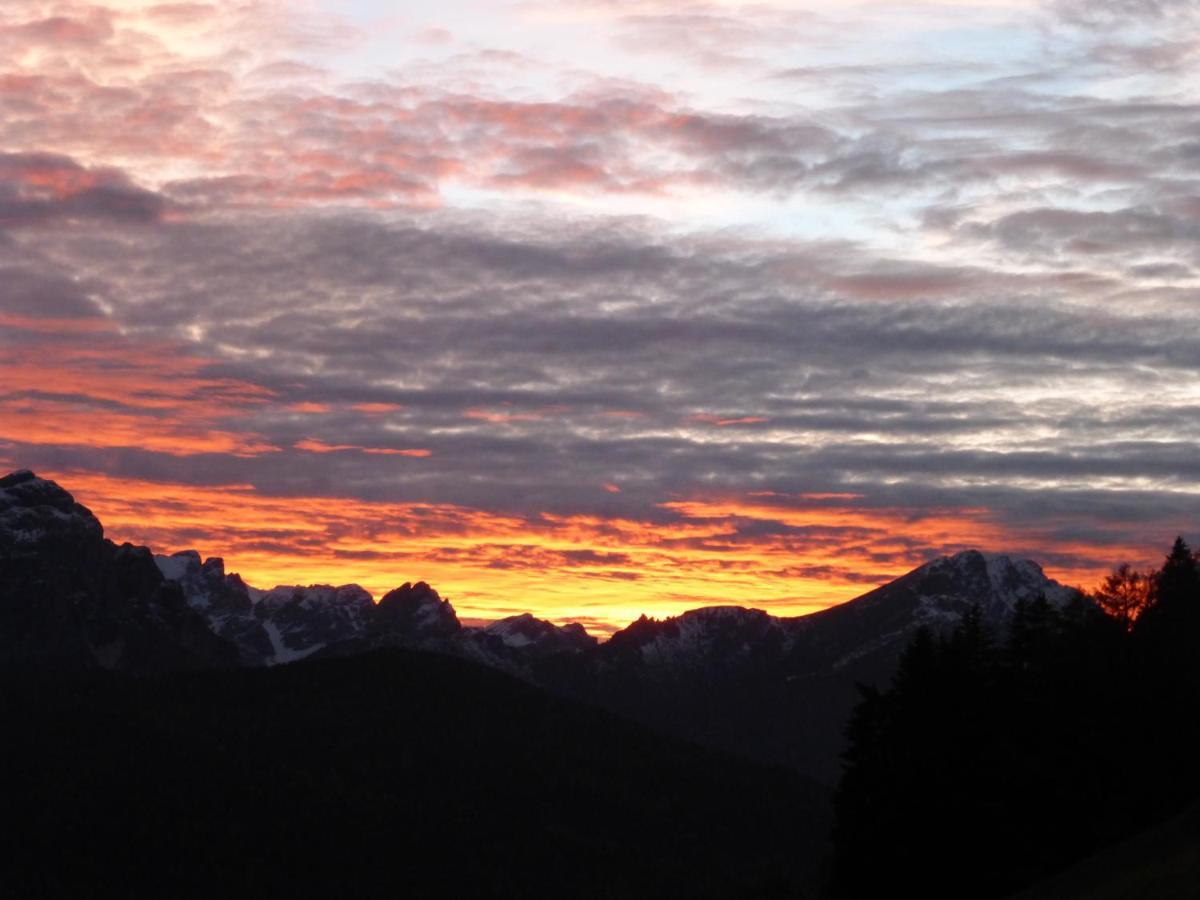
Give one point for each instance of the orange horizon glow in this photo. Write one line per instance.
(83, 385)
(603, 573)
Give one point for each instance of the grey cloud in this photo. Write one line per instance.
(997, 355)
(1075, 232)
(26, 291)
(40, 188)
(902, 394)
(1107, 12)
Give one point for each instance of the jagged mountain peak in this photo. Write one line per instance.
(994, 564)
(415, 610)
(32, 508)
(74, 599)
(205, 583)
(940, 590)
(710, 637)
(1001, 568)
(178, 566)
(25, 481)
(410, 592)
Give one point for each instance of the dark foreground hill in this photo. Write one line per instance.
(1162, 863)
(395, 773)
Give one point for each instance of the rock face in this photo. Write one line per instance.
(712, 641)
(205, 584)
(71, 599)
(415, 616)
(290, 623)
(414, 612)
(224, 600)
(285, 624)
(302, 620)
(524, 632)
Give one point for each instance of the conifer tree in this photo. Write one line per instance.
(1125, 594)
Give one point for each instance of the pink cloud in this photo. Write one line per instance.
(722, 422)
(314, 446)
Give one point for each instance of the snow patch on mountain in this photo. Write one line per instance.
(33, 509)
(526, 631)
(268, 627)
(996, 583)
(178, 566)
(280, 652)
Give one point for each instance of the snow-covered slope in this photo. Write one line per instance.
(303, 620)
(34, 511)
(281, 625)
(935, 595)
(526, 631)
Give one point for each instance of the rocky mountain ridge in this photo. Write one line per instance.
(72, 599)
(774, 688)
(288, 623)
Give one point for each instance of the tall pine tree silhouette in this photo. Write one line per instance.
(996, 759)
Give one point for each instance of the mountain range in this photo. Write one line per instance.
(772, 689)
(156, 745)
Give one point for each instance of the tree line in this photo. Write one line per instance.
(996, 758)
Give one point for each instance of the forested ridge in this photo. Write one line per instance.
(995, 759)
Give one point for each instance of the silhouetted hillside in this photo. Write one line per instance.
(1162, 863)
(394, 773)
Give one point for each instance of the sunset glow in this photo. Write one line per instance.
(599, 308)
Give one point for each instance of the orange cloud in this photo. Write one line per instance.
(309, 407)
(606, 571)
(315, 446)
(77, 382)
(376, 409)
(55, 423)
(504, 416)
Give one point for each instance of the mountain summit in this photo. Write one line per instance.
(71, 599)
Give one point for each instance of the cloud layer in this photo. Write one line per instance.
(772, 316)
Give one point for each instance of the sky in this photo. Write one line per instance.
(608, 307)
